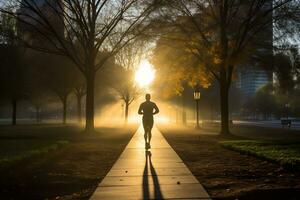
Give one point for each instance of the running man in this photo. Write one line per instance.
(148, 109)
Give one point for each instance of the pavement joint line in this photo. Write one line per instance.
(153, 179)
(135, 185)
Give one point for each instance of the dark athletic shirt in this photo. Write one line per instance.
(148, 108)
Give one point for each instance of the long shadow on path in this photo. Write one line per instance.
(146, 190)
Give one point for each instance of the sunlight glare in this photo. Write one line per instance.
(145, 74)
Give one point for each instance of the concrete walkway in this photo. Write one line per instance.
(155, 174)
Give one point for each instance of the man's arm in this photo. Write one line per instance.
(140, 112)
(156, 110)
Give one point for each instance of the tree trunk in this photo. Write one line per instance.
(126, 112)
(183, 109)
(79, 111)
(177, 111)
(225, 75)
(37, 114)
(14, 112)
(64, 101)
(40, 116)
(211, 112)
(89, 126)
(224, 107)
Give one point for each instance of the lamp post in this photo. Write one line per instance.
(197, 96)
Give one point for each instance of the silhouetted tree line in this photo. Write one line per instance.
(203, 41)
(88, 33)
(43, 79)
(47, 52)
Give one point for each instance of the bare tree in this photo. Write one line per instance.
(129, 58)
(61, 79)
(56, 75)
(38, 93)
(125, 88)
(11, 67)
(80, 92)
(12, 79)
(81, 30)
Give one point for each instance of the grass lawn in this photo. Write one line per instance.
(43, 170)
(286, 154)
(227, 174)
(16, 150)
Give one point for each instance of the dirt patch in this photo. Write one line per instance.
(70, 173)
(226, 174)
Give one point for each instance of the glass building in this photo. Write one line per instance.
(255, 74)
(250, 79)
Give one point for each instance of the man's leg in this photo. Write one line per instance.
(149, 135)
(146, 135)
(145, 131)
(149, 132)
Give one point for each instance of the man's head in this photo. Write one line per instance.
(148, 97)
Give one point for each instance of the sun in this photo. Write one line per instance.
(144, 74)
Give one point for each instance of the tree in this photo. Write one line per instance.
(178, 71)
(12, 69)
(81, 30)
(12, 81)
(177, 67)
(265, 101)
(61, 79)
(235, 100)
(126, 89)
(209, 102)
(38, 94)
(56, 74)
(287, 28)
(284, 71)
(221, 35)
(80, 92)
(294, 103)
(296, 66)
(37, 98)
(127, 60)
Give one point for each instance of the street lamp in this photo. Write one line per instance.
(197, 96)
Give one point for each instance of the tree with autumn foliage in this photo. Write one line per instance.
(221, 35)
(177, 68)
(177, 73)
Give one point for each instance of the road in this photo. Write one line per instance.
(267, 124)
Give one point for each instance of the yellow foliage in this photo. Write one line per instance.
(176, 64)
